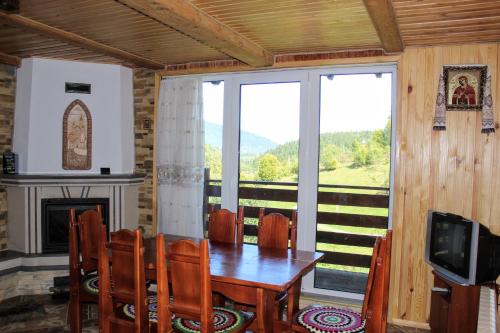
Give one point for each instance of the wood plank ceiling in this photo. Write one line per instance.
(155, 33)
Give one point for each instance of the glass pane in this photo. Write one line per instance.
(355, 142)
(213, 109)
(269, 147)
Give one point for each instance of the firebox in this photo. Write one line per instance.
(55, 220)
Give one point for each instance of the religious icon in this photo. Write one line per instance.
(464, 87)
(77, 137)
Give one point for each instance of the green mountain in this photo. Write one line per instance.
(253, 144)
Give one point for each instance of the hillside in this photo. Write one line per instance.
(343, 140)
(253, 144)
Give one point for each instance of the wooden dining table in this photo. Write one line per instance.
(250, 274)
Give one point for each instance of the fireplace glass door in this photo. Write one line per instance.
(55, 220)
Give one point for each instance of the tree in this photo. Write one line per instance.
(269, 167)
(328, 160)
(213, 160)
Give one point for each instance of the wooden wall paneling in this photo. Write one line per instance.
(406, 263)
(495, 177)
(399, 194)
(483, 153)
(452, 170)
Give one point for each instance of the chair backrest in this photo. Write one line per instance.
(89, 223)
(129, 283)
(376, 298)
(275, 229)
(189, 266)
(225, 226)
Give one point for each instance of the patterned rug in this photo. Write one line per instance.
(42, 314)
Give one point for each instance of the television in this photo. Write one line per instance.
(462, 250)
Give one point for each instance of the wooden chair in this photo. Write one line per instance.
(373, 317)
(83, 262)
(275, 230)
(124, 305)
(189, 267)
(225, 226)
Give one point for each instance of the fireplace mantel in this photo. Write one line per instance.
(70, 180)
(25, 194)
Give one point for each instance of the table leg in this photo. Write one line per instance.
(293, 300)
(265, 310)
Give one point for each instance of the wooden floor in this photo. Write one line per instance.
(42, 314)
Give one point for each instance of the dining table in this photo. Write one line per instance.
(249, 274)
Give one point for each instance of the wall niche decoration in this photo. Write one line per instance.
(77, 137)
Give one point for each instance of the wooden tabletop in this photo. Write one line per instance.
(249, 265)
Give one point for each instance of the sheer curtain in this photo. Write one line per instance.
(180, 157)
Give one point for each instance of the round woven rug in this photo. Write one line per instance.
(327, 319)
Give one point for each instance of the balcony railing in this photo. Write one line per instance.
(366, 207)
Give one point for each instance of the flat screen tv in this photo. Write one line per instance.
(462, 250)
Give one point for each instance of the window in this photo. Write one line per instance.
(301, 136)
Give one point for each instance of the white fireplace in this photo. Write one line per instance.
(41, 101)
(25, 194)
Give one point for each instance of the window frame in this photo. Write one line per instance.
(309, 128)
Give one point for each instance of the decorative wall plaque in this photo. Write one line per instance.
(77, 137)
(464, 87)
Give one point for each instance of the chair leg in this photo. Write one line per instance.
(75, 320)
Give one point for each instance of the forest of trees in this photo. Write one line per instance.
(347, 149)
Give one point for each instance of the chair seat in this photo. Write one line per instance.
(91, 284)
(129, 310)
(225, 320)
(328, 319)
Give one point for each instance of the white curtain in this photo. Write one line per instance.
(180, 154)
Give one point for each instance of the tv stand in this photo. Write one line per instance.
(454, 308)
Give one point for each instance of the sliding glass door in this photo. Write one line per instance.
(317, 141)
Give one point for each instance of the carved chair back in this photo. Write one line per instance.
(126, 270)
(225, 226)
(189, 267)
(89, 223)
(275, 230)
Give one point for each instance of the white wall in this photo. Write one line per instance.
(40, 105)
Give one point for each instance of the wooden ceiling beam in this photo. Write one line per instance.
(8, 59)
(77, 40)
(384, 19)
(184, 17)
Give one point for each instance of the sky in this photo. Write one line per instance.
(353, 102)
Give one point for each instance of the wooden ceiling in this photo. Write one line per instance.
(156, 33)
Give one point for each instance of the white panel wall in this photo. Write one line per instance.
(40, 105)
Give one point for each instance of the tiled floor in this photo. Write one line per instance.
(42, 314)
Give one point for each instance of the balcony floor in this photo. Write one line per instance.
(340, 280)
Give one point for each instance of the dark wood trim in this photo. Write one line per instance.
(345, 239)
(77, 40)
(8, 59)
(353, 199)
(346, 259)
(269, 194)
(253, 212)
(354, 220)
(283, 61)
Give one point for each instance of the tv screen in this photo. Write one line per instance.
(461, 250)
(450, 243)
